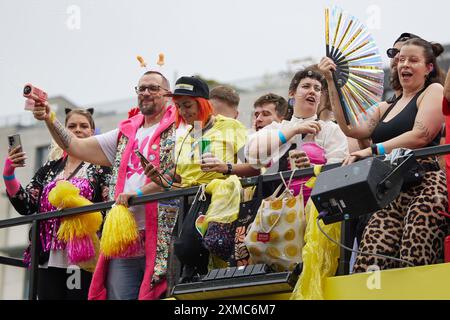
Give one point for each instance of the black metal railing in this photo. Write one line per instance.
(34, 219)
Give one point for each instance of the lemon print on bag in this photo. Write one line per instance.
(291, 250)
(291, 202)
(276, 205)
(254, 236)
(274, 236)
(289, 235)
(273, 252)
(272, 218)
(291, 216)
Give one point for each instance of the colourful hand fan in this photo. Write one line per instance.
(359, 77)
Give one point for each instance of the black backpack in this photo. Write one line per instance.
(188, 247)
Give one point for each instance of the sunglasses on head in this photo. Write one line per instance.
(392, 52)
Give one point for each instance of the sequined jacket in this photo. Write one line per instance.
(28, 200)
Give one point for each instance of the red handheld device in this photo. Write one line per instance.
(33, 94)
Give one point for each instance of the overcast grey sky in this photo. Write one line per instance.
(86, 49)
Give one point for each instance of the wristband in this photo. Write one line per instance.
(139, 192)
(52, 116)
(229, 169)
(374, 149)
(9, 178)
(381, 150)
(282, 137)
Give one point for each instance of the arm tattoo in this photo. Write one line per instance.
(64, 135)
(423, 129)
(372, 124)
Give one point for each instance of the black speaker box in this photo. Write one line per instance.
(349, 191)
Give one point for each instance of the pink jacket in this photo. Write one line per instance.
(128, 128)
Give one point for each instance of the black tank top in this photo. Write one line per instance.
(401, 123)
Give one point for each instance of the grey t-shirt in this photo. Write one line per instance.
(108, 143)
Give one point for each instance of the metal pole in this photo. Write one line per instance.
(33, 284)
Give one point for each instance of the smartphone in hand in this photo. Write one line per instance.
(144, 161)
(14, 141)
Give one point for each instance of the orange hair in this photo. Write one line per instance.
(205, 110)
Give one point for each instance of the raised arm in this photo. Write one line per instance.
(87, 149)
(363, 130)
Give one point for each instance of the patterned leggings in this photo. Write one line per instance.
(410, 228)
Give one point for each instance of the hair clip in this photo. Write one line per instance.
(90, 110)
(67, 110)
(310, 73)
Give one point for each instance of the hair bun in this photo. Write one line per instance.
(438, 49)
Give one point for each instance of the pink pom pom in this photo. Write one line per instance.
(80, 250)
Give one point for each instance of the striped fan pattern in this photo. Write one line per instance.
(359, 77)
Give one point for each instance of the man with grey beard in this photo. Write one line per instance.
(141, 274)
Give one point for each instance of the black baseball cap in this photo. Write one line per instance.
(405, 37)
(191, 86)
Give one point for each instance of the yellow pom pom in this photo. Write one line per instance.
(119, 232)
(64, 196)
(61, 193)
(141, 61)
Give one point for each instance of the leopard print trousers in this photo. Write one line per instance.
(410, 228)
